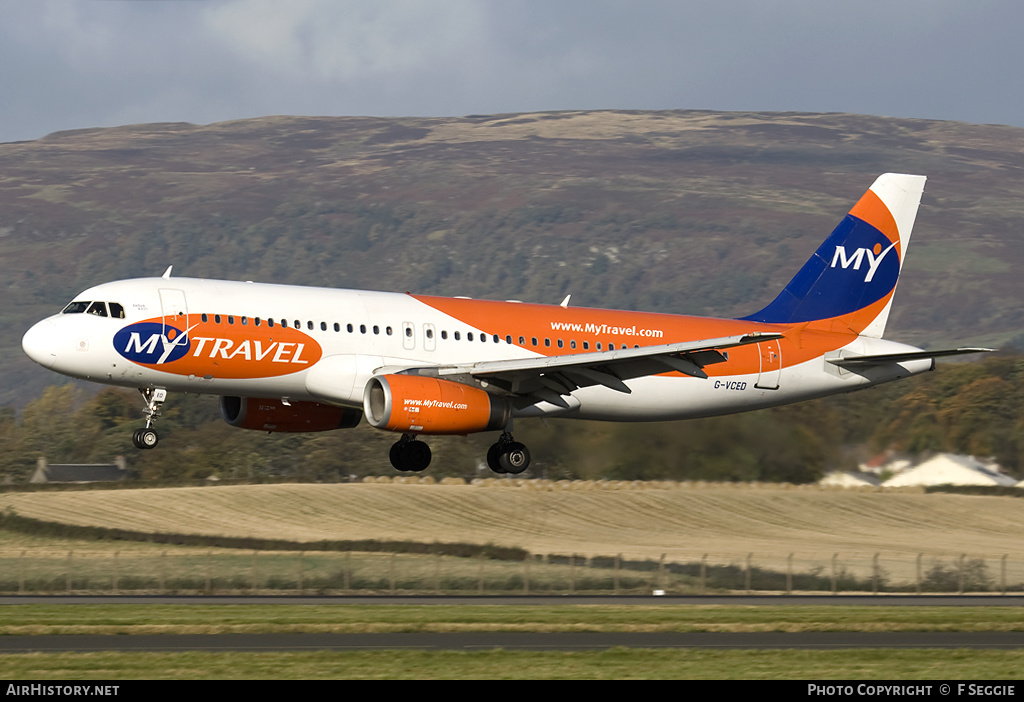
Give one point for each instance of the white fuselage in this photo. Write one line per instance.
(323, 345)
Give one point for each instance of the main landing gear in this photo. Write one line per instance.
(410, 454)
(506, 456)
(147, 438)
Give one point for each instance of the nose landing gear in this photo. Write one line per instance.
(147, 438)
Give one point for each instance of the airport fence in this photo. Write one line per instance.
(234, 572)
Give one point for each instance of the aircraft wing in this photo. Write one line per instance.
(550, 377)
(885, 358)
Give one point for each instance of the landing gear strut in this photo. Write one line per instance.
(147, 438)
(508, 456)
(410, 454)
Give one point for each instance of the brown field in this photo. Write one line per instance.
(683, 522)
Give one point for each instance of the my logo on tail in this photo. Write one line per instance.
(874, 258)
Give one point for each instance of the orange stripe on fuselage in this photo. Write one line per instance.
(801, 342)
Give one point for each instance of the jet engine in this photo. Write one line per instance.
(424, 405)
(263, 414)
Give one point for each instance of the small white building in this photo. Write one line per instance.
(950, 469)
(849, 479)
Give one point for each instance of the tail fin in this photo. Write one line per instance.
(849, 281)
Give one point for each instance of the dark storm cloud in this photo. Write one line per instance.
(67, 64)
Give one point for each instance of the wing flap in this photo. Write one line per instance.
(550, 377)
(700, 353)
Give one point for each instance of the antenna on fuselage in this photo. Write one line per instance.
(167, 273)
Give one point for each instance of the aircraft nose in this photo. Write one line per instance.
(40, 343)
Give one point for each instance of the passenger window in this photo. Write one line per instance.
(309, 325)
(245, 321)
(216, 318)
(270, 322)
(323, 326)
(231, 319)
(349, 328)
(572, 344)
(430, 333)
(408, 331)
(469, 336)
(256, 321)
(362, 328)
(522, 341)
(444, 334)
(376, 329)
(337, 327)
(458, 335)
(205, 319)
(560, 345)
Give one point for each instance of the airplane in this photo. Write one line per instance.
(304, 359)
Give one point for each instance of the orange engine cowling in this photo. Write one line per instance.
(265, 414)
(423, 405)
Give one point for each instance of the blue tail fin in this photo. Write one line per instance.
(852, 276)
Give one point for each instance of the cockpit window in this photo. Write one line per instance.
(97, 308)
(76, 307)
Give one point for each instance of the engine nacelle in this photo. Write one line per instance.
(265, 414)
(423, 405)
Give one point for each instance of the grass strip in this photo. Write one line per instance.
(610, 664)
(39, 619)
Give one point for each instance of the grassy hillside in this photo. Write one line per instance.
(701, 212)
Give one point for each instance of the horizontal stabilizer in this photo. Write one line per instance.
(885, 358)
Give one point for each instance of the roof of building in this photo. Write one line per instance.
(951, 469)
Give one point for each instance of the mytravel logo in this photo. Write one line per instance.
(218, 350)
(151, 343)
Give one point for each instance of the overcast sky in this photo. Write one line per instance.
(67, 64)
